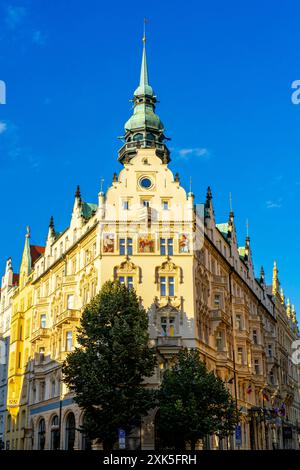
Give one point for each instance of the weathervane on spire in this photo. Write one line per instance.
(144, 36)
(101, 184)
(247, 228)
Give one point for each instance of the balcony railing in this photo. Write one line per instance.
(40, 333)
(220, 279)
(67, 316)
(169, 341)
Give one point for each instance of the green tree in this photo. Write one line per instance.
(193, 403)
(107, 370)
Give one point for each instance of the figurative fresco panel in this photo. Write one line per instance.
(146, 244)
(183, 243)
(108, 243)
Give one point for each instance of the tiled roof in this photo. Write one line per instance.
(36, 252)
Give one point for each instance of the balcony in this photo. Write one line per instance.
(218, 315)
(67, 316)
(69, 279)
(40, 333)
(221, 280)
(169, 345)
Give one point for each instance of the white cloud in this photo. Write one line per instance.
(185, 153)
(274, 204)
(39, 38)
(14, 16)
(3, 127)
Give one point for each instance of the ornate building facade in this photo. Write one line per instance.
(197, 284)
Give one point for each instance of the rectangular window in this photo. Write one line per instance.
(164, 326)
(167, 286)
(163, 246)
(122, 245)
(69, 341)
(167, 326)
(70, 302)
(127, 280)
(238, 322)
(270, 350)
(166, 246)
(170, 246)
(217, 300)
(42, 354)
(125, 246)
(219, 341)
(146, 203)
(171, 286)
(125, 205)
(163, 289)
(256, 367)
(254, 334)
(43, 321)
(129, 246)
(165, 205)
(241, 356)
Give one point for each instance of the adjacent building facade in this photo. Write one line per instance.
(197, 284)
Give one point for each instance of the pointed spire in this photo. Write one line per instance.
(51, 223)
(293, 314)
(208, 194)
(262, 275)
(288, 308)
(78, 193)
(275, 282)
(282, 296)
(144, 80)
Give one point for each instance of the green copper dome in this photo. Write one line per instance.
(144, 117)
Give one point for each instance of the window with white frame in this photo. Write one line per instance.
(240, 355)
(43, 320)
(219, 341)
(270, 350)
(69, 340)
(168, 326)
(239, 322)
(217, 300)
(70, 302)
(166, 246)
(167, 286)
(125, 246)
(127, 280)
(255, 337)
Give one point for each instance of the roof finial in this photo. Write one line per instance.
(101, 184)
(230, 204)
(144, 36)
(190, 184)
(51, 223)
(247, 228)
(78, 194)
(27, 231)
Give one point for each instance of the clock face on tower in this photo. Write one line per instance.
(145, 182)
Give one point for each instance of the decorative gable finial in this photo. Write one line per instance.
(78, 193)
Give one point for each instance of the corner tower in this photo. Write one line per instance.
(144, 129)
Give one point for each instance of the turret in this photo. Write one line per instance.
(144, 128)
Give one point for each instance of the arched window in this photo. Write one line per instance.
(70, 432)
(55, 437)
(42, 434)
(138, 137)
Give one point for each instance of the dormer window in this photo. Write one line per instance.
(138, 137)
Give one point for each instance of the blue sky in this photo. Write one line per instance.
(222, 72)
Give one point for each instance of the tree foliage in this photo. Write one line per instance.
(107, 370)
(193, 403)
